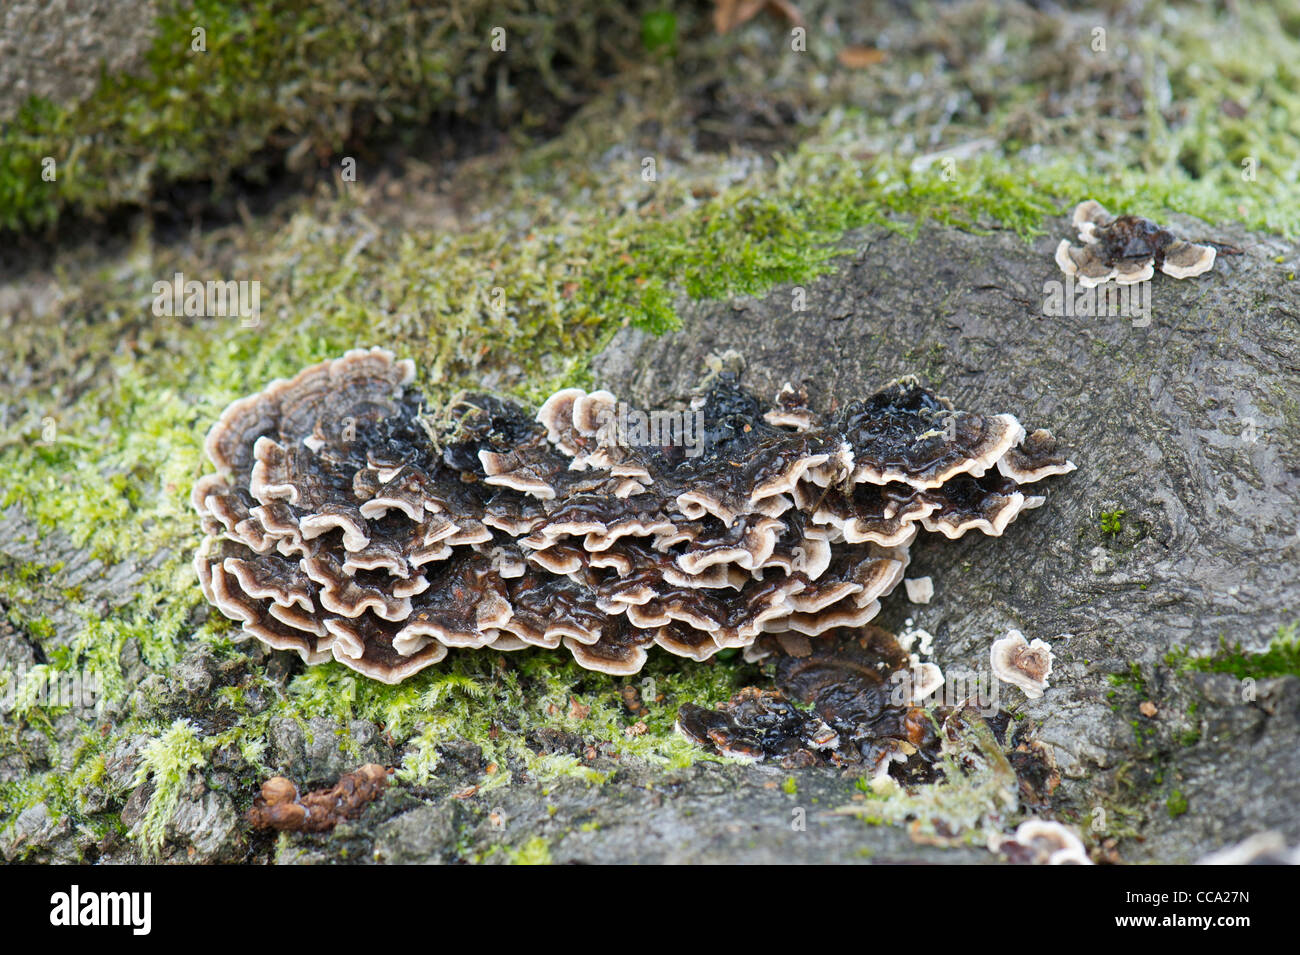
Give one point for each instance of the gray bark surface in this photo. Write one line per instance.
(1160, 420)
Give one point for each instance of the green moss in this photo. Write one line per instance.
(659, 31)
(1133, 679)
(1121, 807)
(210, 115)
(283, 76)
(1176, 804)
(497, 702)
(536, 851)
(1112, 522)
(166, 762)
(976, 793)
(1281, 658)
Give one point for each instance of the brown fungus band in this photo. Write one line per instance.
(343, 524)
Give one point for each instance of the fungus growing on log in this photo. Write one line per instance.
(1021, 663)
(279, 806)
(1127, 249)
(344, 524)
(862, 714)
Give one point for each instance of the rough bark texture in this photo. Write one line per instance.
(1160, 419)
(57, 50)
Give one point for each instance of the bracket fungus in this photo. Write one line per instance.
(1040, 842)
(920, 590)
(1127, 249)
(1021, 663)
(863, 711)
(343, 523)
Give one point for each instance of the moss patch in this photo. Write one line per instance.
(271, 78)
(1280, 658)
(535, 851)
(977, 794)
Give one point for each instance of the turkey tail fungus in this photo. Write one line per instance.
(342, 524)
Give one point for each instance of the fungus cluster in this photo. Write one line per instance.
(343, 522)
(864, 708)
(1127, 249)
(280, 806)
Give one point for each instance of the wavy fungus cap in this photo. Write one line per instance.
(1127, 249)
(343, 523)
(1041, 842)
(1024, 664)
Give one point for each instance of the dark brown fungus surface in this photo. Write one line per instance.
(343, 523)
(859, 717)
(855, 700)
(1127, 249)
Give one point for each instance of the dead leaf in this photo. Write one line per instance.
(860, 57)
